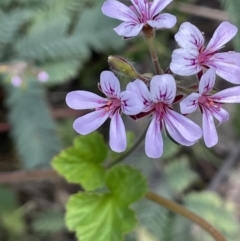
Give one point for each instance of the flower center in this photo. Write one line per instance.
(112, 105)
(142, 10)
(160, 109)
(204, 56)
(209, 103)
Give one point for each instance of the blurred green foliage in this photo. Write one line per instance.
(57, 36)
(233, 9)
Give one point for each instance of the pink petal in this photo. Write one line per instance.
(235, 56)
(82, 100)
(157, 6)
(163, 88)
(110, 84)
(130, 103)
(209, 130)
(225, 67)
(139, 88)
(223, 34)
(230, 95)
(128, 29)
(164, 20)
(221, 115)
(90, 122)
(117, 140)
(117, 10)
(153, 140)
(184, 62)
(138, 5)
(207, 81)
(181, 129)
(189, 104)
(189, 37)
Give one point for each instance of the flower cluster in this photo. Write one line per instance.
(156, 96)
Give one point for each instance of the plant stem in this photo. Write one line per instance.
(176, 208)
(129, 151)
(149, 35)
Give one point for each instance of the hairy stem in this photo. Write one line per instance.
(149, 36)
(176, 208)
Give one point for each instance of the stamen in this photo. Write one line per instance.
(106, 108)
(109, 102)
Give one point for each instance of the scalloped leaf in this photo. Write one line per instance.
(82, 163)
(106, 217)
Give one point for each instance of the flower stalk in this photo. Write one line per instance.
(176, 208)
(149, 36)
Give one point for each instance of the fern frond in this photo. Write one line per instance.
(10, 23)
(33, 129)
(179, 176)
(151, 216)
(61, 70)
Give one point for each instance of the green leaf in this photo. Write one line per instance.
(179, 176)
(120, 178)
(82, 163)
(211, 207)
(106, 217)
(10, 23)
(33, 128)
(98, 217)
(61, 70)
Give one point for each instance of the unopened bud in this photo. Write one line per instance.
(123, 66)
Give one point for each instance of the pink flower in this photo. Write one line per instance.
(158, 102)
(43, 76)
(210, 105)
(16, 81)
(138, 15)
(192, 57)
(112, 107)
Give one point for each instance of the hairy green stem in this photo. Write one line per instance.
(149, 36)
(176, 208)
(129, 151)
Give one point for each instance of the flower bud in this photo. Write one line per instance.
(122, 66)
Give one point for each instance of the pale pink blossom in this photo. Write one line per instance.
(193, 56)
(138, 15)
(210, 105)
(110, 107)
(16, 81)
(158, 103)
(43, 76)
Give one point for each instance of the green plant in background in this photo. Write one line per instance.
(101, 211)
(56, 36)
(233, 8)
(12, 224)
